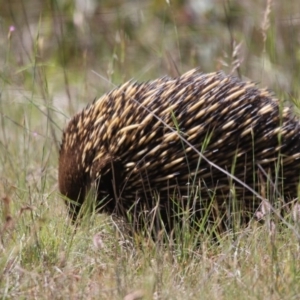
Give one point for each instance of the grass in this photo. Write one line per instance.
(55, 58)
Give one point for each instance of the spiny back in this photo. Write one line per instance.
(130, 140)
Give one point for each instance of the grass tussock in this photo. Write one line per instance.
(43, 257)
(57, 56)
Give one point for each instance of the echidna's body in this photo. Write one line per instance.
(125, 142)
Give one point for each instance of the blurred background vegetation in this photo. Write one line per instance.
(63, 42)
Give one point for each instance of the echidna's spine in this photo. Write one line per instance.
(131, 141)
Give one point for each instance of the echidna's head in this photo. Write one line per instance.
(71, 183)
(82, 164)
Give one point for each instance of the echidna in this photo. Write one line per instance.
(140, 144)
